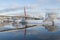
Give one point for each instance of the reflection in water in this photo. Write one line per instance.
(30, 32)
(51, 28)
(3, 24)
(25, 25)
(18, 25)
(25, 32)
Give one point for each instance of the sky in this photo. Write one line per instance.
(33, 7)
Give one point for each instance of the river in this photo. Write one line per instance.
(31, 33)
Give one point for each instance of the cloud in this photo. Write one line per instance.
(43, 1)
(58, 1)
(16, 7)
(36, 7)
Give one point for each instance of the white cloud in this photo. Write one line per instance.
(58, 1)
(31, 8)
(44, 1)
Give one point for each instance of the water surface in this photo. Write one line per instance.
(31, 33)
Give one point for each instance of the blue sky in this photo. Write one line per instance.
(33, 7)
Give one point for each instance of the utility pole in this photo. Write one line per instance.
(25, 23)
(25, 13)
